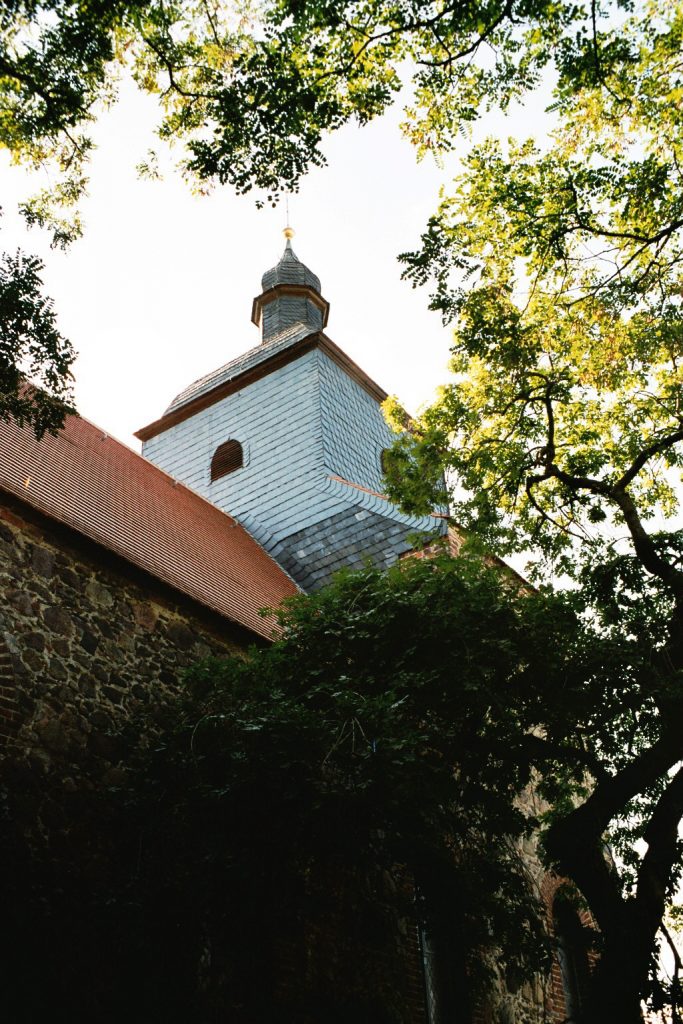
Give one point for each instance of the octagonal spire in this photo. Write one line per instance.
(290, 270)
(291, 297)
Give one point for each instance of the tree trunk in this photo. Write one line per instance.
(629, 925)
(616, 983)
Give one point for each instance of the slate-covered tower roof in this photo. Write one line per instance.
(290, 270)
(288, 439)
(290, 297)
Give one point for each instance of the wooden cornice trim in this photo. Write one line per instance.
(297, 290)
(228, 387)
(242, 380)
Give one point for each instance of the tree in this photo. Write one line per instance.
(31, 345)
(564, 426)
(58, 65)
(54, 60)
(249, 90)
(559, 267)
(387, 735)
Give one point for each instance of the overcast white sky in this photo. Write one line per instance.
(159, 289)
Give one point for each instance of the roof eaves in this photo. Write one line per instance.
(241, 378)
(154, 562)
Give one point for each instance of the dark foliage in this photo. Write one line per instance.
(289, 807)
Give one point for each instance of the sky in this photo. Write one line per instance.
(158, 291)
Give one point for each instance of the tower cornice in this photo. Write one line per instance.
(263, 368)
(299, 291)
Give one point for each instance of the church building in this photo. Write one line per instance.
(117, 570)
(258, 482)
(289, 439)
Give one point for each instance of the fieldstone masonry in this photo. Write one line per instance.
(85, 639)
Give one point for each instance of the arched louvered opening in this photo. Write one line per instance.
(572, 956)
(226, 459)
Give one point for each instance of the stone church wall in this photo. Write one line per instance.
(85, 638)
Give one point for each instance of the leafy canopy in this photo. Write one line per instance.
(560, 270)
(561, 434)
(250, 90)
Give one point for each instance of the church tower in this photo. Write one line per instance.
(288, 439)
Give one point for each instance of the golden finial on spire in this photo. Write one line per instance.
(288, 232)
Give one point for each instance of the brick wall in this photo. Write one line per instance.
(557, 1007)
(8, 695)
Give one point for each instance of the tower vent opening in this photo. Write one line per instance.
(226, 459)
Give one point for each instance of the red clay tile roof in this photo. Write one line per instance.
(104, 490)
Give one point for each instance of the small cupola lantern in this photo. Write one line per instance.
(291, 298)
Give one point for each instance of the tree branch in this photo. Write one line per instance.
(575, 841)
(648, 453)
(654, 875)
(644, 545)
